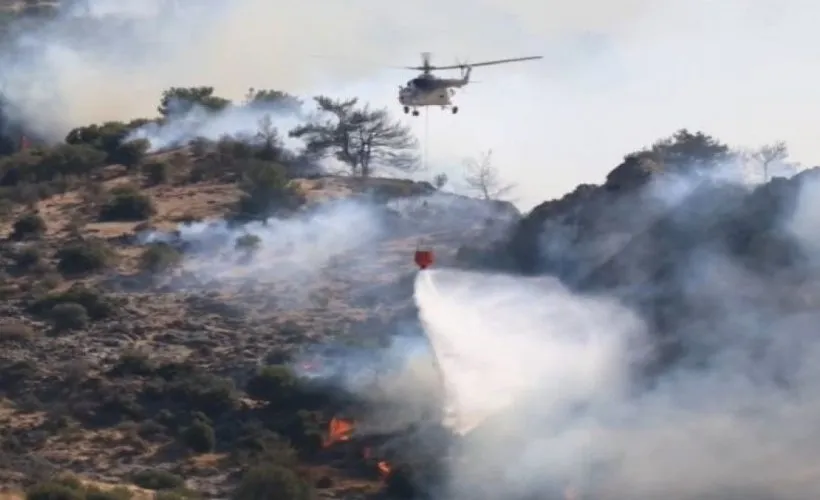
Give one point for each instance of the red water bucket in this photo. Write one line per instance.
(424, 258)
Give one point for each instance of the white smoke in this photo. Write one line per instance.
(490, 361)
(294, 256)
(541, 378)
(239, 121)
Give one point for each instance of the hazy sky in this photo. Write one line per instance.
(617, 74)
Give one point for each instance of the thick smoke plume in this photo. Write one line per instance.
(241, 121)
(546, 382)
(294, 255)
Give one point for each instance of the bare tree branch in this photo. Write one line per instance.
(483, 178)
(769, 155)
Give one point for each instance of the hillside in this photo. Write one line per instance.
(97, 313)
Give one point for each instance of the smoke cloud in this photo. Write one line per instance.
(545, 382)
(615, 74)
(294, 256)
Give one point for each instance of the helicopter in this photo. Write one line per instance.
(429, 90)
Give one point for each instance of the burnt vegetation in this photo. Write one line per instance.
(118, 366)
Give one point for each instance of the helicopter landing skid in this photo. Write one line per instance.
(415, 112)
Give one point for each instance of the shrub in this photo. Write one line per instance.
(118, 493)
(199, 437)
(160, 257)
(126, 203)
(83, 257)
(203, 392)
(109, 138)
(259, 445)
(28, 258)
(275, 384)
(129, 154)
(30, 225)
(266, 189)
(157, 172)
(68, 160)
(96, 304)
(54, 491)
(69, 316)
(248, 242)
(174, 495)
(272, 482)
(156, 479)
(132, 362)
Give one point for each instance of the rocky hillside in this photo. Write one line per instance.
(139, 305)
(680, 237)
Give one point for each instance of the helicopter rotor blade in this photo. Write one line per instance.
(482, 63)
(504, 61)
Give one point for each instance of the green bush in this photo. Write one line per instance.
(175, 495)
(30, 225)
(83, 257)
(129, 154)
(156, 479)
(205, 392)
(157, 172)
(95, 303)
(160, 257)
(109, 138)
(126, 203)
(248, 243)
(119, 493)
(69, 316)
(199, 437)
(132, 362)
(28, 258)
(266, 190)
(257, 444)
(276, 384)
(272, 482)
(67, 160)
(54, 491)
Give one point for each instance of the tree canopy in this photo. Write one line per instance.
(181, 100)
(278, 100)
(685, 149)
(362, 138)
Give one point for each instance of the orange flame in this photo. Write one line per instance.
(338, 430)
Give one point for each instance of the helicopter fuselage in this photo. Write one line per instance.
(418, 98)
(427, 90)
